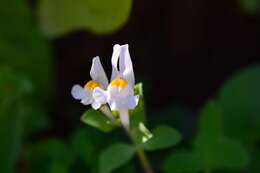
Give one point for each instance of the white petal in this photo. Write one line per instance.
(124, 117)
(113, 105)
(126, 66)
(87, 100)
(132, 102)
(95, 105)
(100, 95)
(114, 60)
(118, 103)
(78, 92)
(97, 72)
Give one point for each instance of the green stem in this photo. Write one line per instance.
(144, 161)
(105, 110)
(140, 151)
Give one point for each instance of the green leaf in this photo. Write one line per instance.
(98, 120)
(163, 137)
(98, 16)
(115, 156)
(84, 147)
(239, 99)
(183, 162)
(210, 124)
(216, 150)
(211, 150)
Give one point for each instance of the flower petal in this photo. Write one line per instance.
(100, 95)
(78, 92)
(114, 60)
(114, 105)
(97, 72)
(126, 66)
(87, 100)
(95, 105)
(132, 102)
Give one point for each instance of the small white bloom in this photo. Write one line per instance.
(99, 80)
(120, 92)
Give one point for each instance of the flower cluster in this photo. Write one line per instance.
(119, 93)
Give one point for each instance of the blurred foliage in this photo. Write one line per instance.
(22, 47)
(12, 114)
(163, 137)
(250, 6)
(115, 156)
(25, 79)
(211, 149)
(58, 17)
(52, 156)
(239, 99)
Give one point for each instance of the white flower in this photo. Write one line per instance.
(120, 92)
(99, 80)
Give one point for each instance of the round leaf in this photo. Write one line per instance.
(163, 137)
(183, 162)
(58, 17)
(115, 156)
(239, 99)
(98, 120)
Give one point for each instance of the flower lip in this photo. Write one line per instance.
(91, 85)
(119, 82)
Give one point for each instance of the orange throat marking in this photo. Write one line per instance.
(119, 82)
(91, 85)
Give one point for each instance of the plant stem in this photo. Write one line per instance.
(105, 110)
(140, 151)
(144, 161)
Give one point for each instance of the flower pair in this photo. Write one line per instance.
(119, 93)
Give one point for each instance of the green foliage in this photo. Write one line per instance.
(239, 99)
(86, 144)
(183, 162)
(98, 16)
(98, 120)
(250, 6)
(211, 150)
(51, 156)
(83, 146)
(21, 46)
(255, 162)
(24, 79)
(163, 137)
(12, 90)
(115, 156)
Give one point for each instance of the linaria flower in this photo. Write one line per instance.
(99, 80)
(120, 92)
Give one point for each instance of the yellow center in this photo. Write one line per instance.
(119, 82)
(91, 85)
